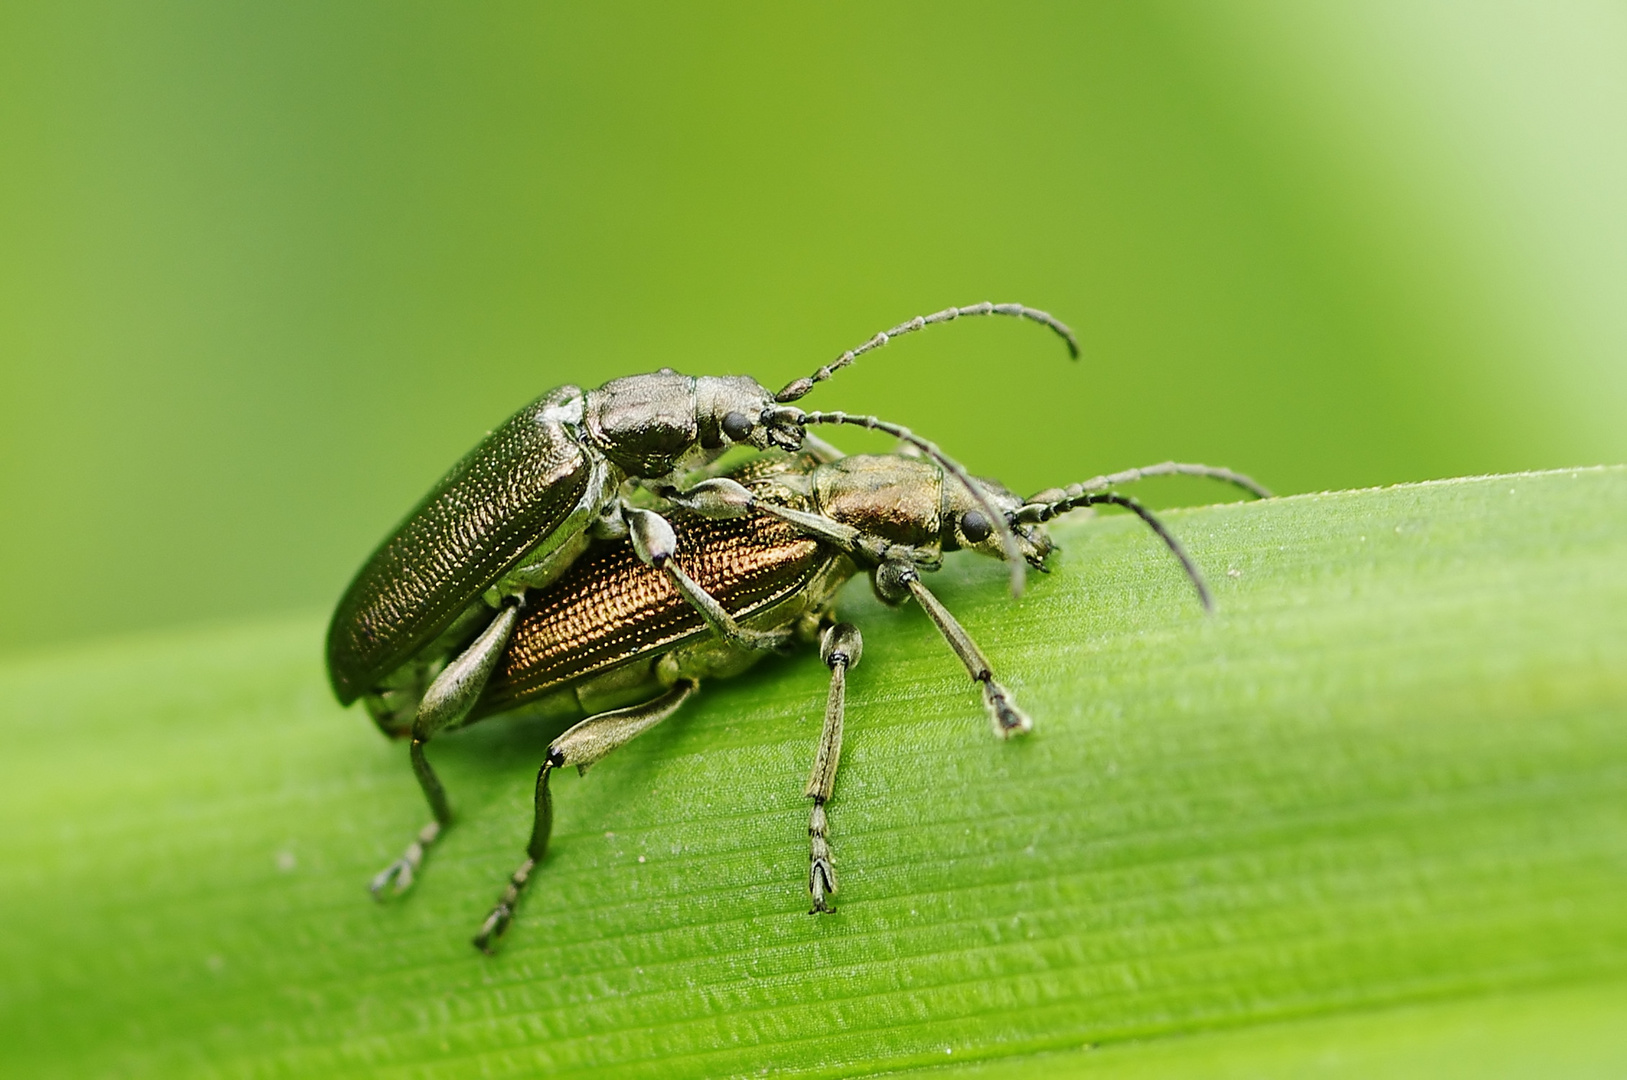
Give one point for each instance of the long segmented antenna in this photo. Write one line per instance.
(797, 388)
(1165, 468)
(1038, 511)
(1008, 538)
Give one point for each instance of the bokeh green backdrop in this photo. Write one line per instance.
(266, 270)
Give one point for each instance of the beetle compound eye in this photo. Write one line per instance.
(975, 527)
(736, 425)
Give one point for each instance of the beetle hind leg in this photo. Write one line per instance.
(581, 746)
(542, 827)
(446, 702)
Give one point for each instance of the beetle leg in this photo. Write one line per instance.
(446, 702)
(840, 650)
(609, 525)
(656, 544)
(581, 746)
(895, 577)
(720, 497)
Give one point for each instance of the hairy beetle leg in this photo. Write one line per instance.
(840, 649)
(581, 746)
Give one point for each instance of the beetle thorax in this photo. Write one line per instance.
(896, 498)
(645, 424)
(651, 425)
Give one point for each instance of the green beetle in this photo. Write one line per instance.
(525, 503)
(519, 506)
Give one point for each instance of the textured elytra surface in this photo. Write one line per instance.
(1391, 769)
(503, 498)
(610, 607)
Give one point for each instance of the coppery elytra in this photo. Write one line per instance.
(425, 620)
(772, 542)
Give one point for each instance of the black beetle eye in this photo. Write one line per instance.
(974, 526)
(736, 425)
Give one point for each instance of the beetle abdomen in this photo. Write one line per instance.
(510, 494)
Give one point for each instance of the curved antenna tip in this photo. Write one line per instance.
(800, 387)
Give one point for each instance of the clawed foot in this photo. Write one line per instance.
(821, 883)
(403, 872)
(1007, 718)
(501, 915)
(821, 867)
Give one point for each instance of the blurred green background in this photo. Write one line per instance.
(266, 270)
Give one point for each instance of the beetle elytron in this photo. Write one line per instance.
(525, 503)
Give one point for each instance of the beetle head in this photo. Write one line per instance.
(913, 501)
(966, 522)
(736, 409)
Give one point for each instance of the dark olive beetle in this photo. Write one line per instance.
(614, 640)
(524, 504)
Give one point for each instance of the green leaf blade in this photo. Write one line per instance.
(1389, 769)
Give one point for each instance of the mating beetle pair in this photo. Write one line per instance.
(523, 504)
(528, 578)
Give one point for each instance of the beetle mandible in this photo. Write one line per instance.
(521, 506)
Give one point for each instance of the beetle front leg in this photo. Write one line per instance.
(895, 580)
(446, 702)
(656, 544)
(840, 650)
(581, 746)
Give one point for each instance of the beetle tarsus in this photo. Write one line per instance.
(497, 922)
(1008, 719)
(821, 866)
(403, 872)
